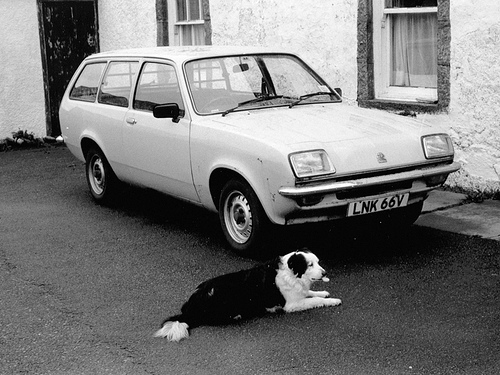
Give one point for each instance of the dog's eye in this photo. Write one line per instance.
(309, 264)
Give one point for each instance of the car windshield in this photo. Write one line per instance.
(227, 84)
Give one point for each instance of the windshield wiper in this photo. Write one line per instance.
(251, 101)
(306, 96)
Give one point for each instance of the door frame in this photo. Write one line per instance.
(42, 33)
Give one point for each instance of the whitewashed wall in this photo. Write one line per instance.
(127, 24)
(474, 118)
(325, 33)
(22, 101)
(122, 24)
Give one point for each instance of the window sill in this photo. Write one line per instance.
(396, 105)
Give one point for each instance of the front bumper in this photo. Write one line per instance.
(333, 187)
(323, 201)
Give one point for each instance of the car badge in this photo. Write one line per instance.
(381, 158)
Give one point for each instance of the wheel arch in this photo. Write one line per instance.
(222, 174)
(86, 144)
(218, 178)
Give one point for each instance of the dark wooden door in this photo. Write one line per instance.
(68, 34)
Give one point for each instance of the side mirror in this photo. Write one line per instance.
(169, 110)
(240, 68)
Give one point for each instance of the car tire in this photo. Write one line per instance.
(244, 223)
(101, 179)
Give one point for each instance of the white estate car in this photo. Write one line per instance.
(253, 134)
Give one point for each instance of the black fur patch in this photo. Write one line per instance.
(238, 295)
(298, 264)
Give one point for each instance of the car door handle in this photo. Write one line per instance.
(131, 121)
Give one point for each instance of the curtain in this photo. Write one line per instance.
(192, 35)
(414, 50)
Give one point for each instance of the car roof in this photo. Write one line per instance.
(183, 53)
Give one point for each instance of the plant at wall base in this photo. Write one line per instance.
(21, 139)
(475, 188)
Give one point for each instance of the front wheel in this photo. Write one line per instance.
(243, 220)
(101, 179)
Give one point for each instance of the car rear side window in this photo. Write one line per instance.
(158, 84)
(86, 85)
(116, 85)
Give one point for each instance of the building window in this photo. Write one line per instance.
(189, 26)
(403, 53)
(183, 22)
(405, 49)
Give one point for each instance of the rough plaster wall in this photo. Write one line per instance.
(323, 33)
(22, 102)
(474, 116)
(127, 24)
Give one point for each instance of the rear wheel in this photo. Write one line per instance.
(243, 220)
(101, 179)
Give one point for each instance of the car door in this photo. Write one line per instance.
(105, 120)
(157, 149)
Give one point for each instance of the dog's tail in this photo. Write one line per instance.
(174, 328)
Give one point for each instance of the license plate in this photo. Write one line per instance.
(376, 205)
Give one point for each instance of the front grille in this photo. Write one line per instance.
(380, 172)
(374, 190)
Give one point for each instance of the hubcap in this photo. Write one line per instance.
(97, 176)
(238, 217)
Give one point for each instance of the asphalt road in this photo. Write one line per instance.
(84, 287)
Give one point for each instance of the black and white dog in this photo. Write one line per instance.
(281, 284)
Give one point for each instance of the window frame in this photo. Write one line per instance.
(200, 78)
(107, 97)
(366, 63)
(91, 98)
(168, 26)
(188, 23)
(382, 26)
(137, 88)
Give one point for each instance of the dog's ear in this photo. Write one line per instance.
(298, 264)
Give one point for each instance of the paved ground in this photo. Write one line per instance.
(83, 288)
(448, 211)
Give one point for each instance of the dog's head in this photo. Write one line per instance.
(305, 264)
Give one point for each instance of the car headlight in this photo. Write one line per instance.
(437, 146)
(311, 163)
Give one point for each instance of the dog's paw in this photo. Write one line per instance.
(323, 294)
(333, 301)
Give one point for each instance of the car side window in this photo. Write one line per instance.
(157, 84)
(86, 85)
(117, 82)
